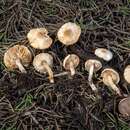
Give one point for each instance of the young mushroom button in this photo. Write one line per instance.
(39, 39)
(124, 107)
(69, 33)
(43, 63)
(71, 62)
(17, 56)
(110, 79)
(104, 54)
(127, 74)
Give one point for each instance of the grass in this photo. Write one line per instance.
(69, 104)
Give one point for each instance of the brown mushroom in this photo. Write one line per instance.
(111, 78)
(124, 107)
(17, 56)
(39, 39)
(43, 63)
(71, 62)
(69, 33)
(127, 74)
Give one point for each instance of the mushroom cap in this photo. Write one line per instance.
(110, 72)
(127, 73)
(71, 58)
(103, 53)
(40, 59)
(69, 33)
(124, 106)
(39, 39)
(97, 64)
(17, 52)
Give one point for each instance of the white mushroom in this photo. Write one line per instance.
(92, 65)
(69, 33)
(71, 62)
(110, 79)
(17, 56)
(103, 53)
(43, 63)
(39, 39)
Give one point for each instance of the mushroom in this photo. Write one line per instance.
(39, 39)
(111, 78)
(103, 53)
(127, 74)
(124, 106)
(17, 56)
(92, 65)
(71, 62)
(69, 33)
(43, 63)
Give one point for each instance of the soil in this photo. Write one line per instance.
(29, 101)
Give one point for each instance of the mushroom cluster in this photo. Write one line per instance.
(19, 57)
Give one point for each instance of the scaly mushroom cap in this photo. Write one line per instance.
(104, 54)
(97, 64)
(17, 52)
(112, 73)
(124, 106)
(71, 58)
(40, 59)
(127, 74)
(39, 39)
(69, 33)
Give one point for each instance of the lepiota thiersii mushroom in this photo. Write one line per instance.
(71, 62)
(92, 65)
(110, 79)
(124, 107)
(39, 39)
(17, 56)
(127, 74)
(103, 53)
(69, 33)
(43, 63)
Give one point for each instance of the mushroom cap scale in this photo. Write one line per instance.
(39, 60)
(17, 52)
(104, 54)
(124, 106)
(71, 58)
(127, 74)
(39, 39)
(97, 64)
(69, 33)
(112, 73)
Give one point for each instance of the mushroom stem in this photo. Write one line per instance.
(113, 86)
(72, 69)
(93, 87)
(91, 70)
(50, 73)
(20, 66)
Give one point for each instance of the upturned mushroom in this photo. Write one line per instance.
(124, 107)
(69, 33)
(71, 62)
(127, 74)
(17, 56)
(92, 65)
(39, 39)
(104, 54)
(111, 79)
(43, 63)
